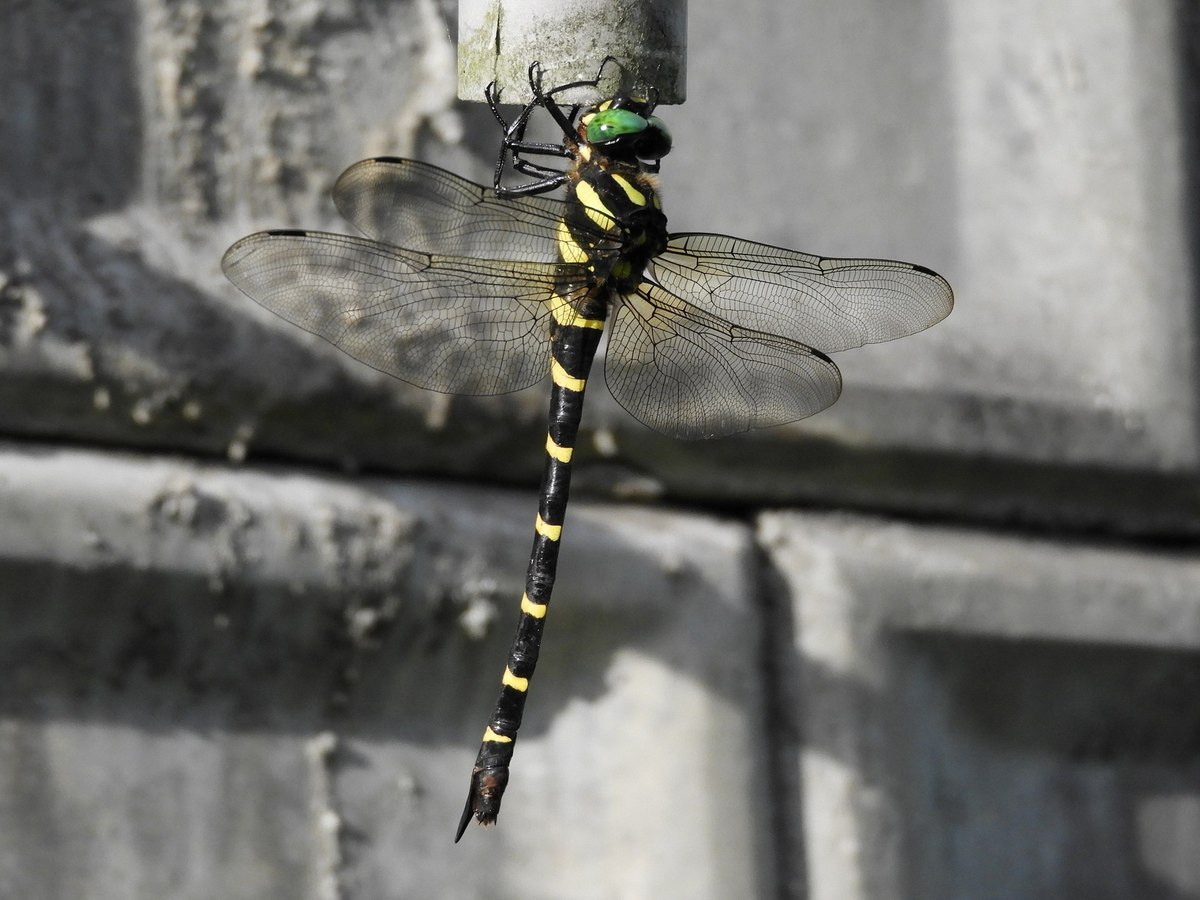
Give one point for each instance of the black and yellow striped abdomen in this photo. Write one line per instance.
(579, 310)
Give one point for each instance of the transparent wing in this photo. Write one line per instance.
(689, 374)
(460, 326)
(415, 205)
(829, 304)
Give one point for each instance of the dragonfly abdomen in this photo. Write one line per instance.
(617, 201)
(578, 316)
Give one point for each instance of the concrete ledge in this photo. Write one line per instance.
(985, 714)
(264, 683)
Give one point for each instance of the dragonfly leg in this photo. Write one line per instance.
(543, 97)
(514, 142)
(546, 99)
(532, 187)
(531, 168)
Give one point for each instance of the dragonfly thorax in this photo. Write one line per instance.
(613, 182)
(615, 199)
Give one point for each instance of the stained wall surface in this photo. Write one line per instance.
(940, 641)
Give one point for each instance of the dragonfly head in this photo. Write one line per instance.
(622, 127)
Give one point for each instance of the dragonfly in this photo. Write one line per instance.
(463, 289)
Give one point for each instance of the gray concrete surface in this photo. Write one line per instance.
(1049, 185)
(265, 683)
(497, 41)
(986, 715)
(232, 666)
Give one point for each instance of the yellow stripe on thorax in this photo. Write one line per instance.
(635, 196)
(568, 247)
(546, 530)
(560, 377)
(512, 681)
(490, 736)
(562, 454)
(537, 610)
(564, 314)
(594, 206)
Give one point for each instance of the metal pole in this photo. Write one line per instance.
(498, 39)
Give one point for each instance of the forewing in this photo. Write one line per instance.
(689, 374)
(454, 325)
(422, 207)
(829, 304)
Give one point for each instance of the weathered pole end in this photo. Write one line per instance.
(498, 39)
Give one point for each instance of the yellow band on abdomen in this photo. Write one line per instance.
(546, 530)
(562, 454)
(564, 314)
(492, 737)
(560, 377)
(537, 610)
(514, 682)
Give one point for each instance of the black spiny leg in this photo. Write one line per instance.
(545, 97)
(546, 178)
(514, 142)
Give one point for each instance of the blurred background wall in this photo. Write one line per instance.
(941, 641)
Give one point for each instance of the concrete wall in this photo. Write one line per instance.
(941, 641)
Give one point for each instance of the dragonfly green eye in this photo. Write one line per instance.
(614, 123)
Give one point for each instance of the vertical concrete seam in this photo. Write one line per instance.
(326, 821)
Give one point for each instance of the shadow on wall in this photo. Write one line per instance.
(1049, 769)
(71, 73)
(1188, 56)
